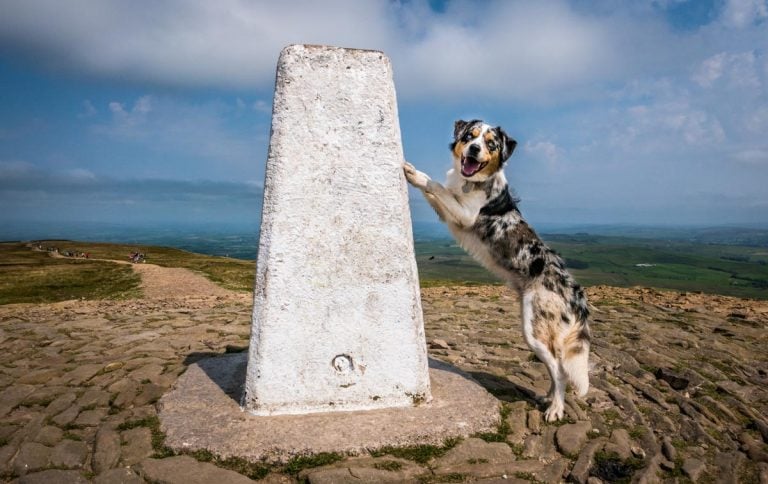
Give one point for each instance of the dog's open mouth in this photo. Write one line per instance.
(470, 166)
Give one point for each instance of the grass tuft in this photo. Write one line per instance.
(502, 430)
(418, 453)
(299, 463)
(388, 465)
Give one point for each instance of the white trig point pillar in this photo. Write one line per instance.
(337, 319)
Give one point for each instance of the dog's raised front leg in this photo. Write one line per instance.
(440, 198)
(417, 178)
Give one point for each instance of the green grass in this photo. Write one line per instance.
(731, 270)
(299, 463)
(418, 453)
(388, 465)
(230, 273)
(716, 269)
(27, 276)
(161, 451)
(443, 263)
(502, 430)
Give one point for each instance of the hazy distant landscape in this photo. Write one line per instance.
(722, 260)
(622, 261)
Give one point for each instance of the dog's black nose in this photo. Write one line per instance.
(474, 150)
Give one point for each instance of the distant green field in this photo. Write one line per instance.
(445, 263)
(619, 261)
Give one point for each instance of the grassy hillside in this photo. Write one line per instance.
(35, 277)
(29, 276)
(230, 273)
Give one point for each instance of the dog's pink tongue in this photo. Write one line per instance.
(469, 166)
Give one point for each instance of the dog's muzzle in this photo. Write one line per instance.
(470, 166)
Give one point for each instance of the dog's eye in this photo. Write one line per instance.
(492, 145)
(467, 137)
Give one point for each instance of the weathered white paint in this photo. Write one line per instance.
(337, 319)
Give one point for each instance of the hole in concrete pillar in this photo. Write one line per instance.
(343, 364)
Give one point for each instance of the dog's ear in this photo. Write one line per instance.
(458, 128)
(507, 144)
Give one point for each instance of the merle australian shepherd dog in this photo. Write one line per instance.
(484, 218)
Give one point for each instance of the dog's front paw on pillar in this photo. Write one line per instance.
(414, 176)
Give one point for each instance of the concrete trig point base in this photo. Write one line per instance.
(337, 320)
(203, 412)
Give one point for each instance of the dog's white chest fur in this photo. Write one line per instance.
(473, 201)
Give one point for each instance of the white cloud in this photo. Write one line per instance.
(660, 125)
(611, 87)
(198, 133)
(117, 108)
(756, 156)
(262, 106)
(495, 50)
(546, 151)
(143, 105)
(19, 176)
(498, 51)
(694, 125)
(179, 42)
(37, 193)
(741, 13)
(710, 70)
(757, 121)
(738, 69)
(80, 174)
(128, 122)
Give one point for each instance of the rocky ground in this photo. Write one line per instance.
(679, 391)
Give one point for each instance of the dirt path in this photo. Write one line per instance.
(162, 282)
(158, 282)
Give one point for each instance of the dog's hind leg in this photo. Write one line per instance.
(557, 375)
(575, 361)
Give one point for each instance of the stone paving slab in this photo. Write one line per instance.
(203, 412)
(683, 345)
(184, 469)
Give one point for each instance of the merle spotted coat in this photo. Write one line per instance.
(484, 218)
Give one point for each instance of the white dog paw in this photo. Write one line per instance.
(415, 177)
(554, 412)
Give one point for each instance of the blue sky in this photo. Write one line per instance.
(635, 112)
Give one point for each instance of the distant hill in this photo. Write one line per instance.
(746, 236)
(737, 270)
